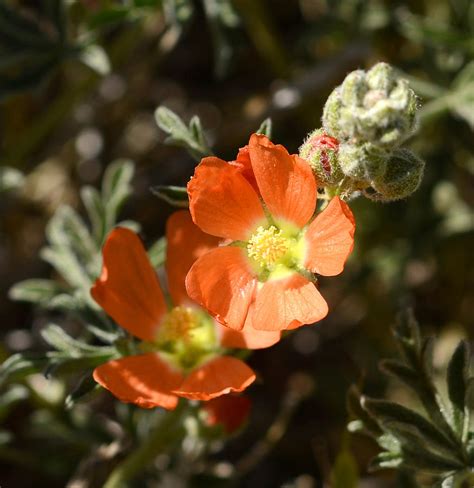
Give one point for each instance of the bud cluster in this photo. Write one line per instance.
(365, 121)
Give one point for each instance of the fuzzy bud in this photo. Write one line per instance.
(402, 177)
(320, 150)
(363, 162)
(377, 107)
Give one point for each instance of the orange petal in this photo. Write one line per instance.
(222, 202)
(185, 243)
(243, 164)
(330, 239)
(230, 411)
(286, 302)
(286, 181)
(217, 377)
(248, 337)
(223, 283)
(145, 380)
(128, 288)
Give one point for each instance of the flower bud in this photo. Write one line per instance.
(320, 150)
(402, 177)
(377, 107)
(363, 162)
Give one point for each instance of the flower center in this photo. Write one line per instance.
(267, 246)
(186, 336)
(178, 324)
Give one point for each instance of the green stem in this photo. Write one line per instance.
(166, 433)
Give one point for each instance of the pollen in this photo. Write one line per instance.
(267, 246)
(179, 323)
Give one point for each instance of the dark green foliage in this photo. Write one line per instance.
(435, 442)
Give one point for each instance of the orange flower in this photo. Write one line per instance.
(182, 352)
(265, 278)
(230, 411)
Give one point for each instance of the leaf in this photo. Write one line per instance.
(66, 229)
(20, 365)
(461, 98)
(157, 253)
(34, 44)
(390, 414)
(407, 333)
(220, 17)
(116, 188)
(265, 128)
(105, 336)
(457, 377)
(176, 196)
(35, 291)
(95, 209)
(355, 409)
(85, 385)
(14, 394)
(402, 372)
(108, 16)
(385, 460)
(56, 337)
(60, 365)
(169, 122)
(191, 138)
(422, 460)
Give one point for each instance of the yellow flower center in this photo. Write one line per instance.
(185, 337)
(267, 246)
(178, 324)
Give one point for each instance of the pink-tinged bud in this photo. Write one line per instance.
(320, 150)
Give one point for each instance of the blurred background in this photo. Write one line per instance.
(79, 84)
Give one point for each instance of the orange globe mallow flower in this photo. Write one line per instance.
(182, 353)
(264, 206)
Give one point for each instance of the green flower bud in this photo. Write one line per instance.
(402, 177)
(363, 162)
(320, 150)
(376, 107)
(331, 111)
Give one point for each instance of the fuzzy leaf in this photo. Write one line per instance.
(116, 188)
(176, 196)
(191, 138)
(56, 337)
(457, 377)
(20, 365)
(385, 460)
(35, 291)
(355, 409)
(421, 460)
(95, 209)
(387, 413)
